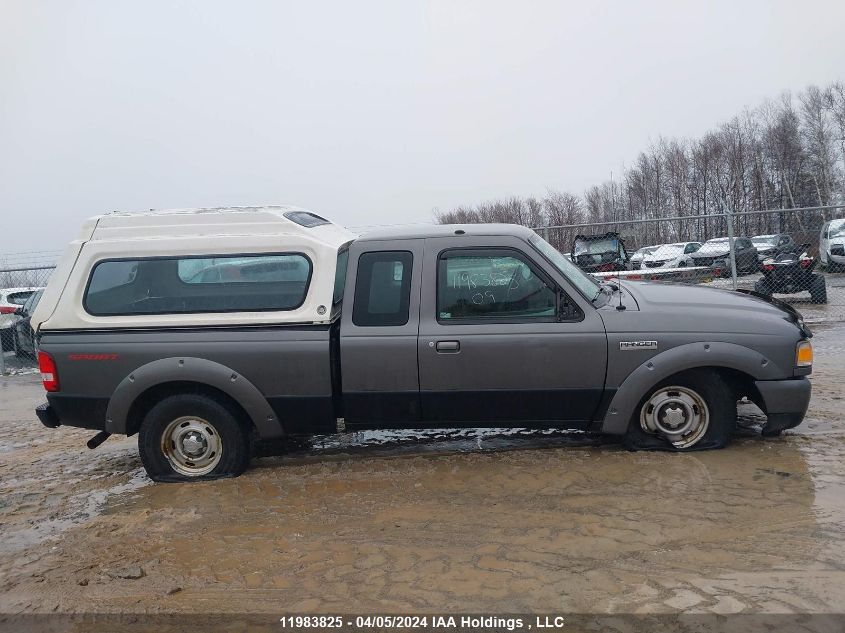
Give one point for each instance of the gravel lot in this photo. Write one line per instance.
(460, 522)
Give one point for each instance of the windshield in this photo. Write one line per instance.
(595, 247)
(720, 244)
(765, 240)
(670, 251)
(645, 250)
(837, 231)
(586, 284)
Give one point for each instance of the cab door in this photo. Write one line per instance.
(378, 334)
(492, 346)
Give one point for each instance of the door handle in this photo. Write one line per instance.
(448, 347)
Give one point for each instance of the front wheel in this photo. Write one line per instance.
(191, 436)
(694, 410)
(818, 289)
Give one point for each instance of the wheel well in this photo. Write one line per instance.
(147, 399)
(741, 383)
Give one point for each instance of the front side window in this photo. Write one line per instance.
(491, 285)
(382, 289)
(220, 283)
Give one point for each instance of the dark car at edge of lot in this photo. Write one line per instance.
(773, 245)
(24, 337)
(716, 253)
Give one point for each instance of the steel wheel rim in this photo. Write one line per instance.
(192, 446)
(677, 413)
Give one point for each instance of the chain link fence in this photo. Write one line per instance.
(795, 255)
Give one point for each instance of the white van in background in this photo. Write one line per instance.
(832, 245)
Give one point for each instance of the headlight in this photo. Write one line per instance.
(804, 354)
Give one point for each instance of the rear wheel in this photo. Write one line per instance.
(763, 287)
(691, 411)
(818, 289)
(192, 436)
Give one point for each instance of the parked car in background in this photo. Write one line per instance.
(677, 255)
(600, 253)
(10, 300)
(773, 245)
(717, 252)
(639, 255)
(24, 337)
(832, 245)
(790, 273)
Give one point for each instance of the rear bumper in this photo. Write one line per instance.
(48, 416)
(785, 402)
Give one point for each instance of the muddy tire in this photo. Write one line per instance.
(188, 437)
(818, 289)
(694, 410)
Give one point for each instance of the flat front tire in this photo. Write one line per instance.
(694, 410)
(189, 437)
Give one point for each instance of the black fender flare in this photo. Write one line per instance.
(199, 370)
(678, 359)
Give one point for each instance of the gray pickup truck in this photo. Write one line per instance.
(200, 345)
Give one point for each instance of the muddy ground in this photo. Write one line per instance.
(463, 522)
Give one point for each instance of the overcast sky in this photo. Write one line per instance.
(370, 113)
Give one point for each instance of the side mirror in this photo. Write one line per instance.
(20, 312)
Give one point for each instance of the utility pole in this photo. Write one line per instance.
(730, 219)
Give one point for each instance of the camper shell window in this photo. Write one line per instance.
(197, 284)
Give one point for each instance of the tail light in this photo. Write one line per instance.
(49, 374)
(7, 310)
(768, 267)
(805, 263)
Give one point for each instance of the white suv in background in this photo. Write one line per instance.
(832, 245)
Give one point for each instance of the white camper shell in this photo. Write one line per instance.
(196, 267)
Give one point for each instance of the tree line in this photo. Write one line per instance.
(786, 153)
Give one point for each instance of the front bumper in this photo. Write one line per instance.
(785, 402)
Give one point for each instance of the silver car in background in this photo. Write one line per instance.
(677, 255)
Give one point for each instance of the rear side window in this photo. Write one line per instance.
(19, 298)
(382, 288)
(30, 304)
(230, 283)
